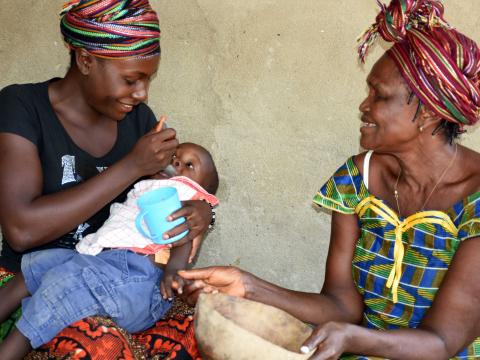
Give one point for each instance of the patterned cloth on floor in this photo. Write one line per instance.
(98, 338)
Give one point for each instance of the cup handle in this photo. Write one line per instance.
(139, 225)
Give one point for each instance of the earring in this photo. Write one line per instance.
(420, 128)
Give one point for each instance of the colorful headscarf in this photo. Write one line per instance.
(114, 29)
(441, 65)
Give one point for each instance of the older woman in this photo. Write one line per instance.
(72, 146)
(405, 248)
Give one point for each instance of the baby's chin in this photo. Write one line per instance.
(161, 175)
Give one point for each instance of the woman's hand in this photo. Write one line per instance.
(226, 279)
(153, 151)
(198, 215)
(330, 339)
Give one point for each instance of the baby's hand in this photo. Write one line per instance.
(171, 283)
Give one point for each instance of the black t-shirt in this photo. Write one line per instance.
(26, 110)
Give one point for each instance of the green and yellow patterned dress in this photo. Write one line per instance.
(399, 263)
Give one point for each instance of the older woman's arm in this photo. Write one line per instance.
(451, 324)
(338, 300)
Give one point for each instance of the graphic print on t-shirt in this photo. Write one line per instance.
(79, 232)
(68, 165)
(76, 171)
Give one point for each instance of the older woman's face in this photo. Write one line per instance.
(386, 115)
(114, 87)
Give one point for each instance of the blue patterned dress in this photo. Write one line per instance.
(399, 263)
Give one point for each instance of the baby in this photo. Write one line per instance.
(192, 166)
(61, 286)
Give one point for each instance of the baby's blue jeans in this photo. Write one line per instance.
(66, 286)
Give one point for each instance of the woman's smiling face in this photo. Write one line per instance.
(386, 114)
(114, 87)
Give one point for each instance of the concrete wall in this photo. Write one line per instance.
(271, 87)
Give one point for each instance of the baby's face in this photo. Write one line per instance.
(190, 161)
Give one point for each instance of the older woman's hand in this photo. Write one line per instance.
(226, 279)
(330, 339)
(198, 215)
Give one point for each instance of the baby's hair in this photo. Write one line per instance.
(212, 180)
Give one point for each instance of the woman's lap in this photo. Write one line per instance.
(99, 338)
(67, 286)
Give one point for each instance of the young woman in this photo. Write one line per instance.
(72, 146)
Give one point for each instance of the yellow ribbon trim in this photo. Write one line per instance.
(423, 217)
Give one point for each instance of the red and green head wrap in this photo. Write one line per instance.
(114, 29)
(441, 65)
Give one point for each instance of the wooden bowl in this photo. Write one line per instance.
(232, 328)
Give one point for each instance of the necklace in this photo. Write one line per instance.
(395, 191)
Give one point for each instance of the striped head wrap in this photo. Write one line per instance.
(441, 65)
(113, 29)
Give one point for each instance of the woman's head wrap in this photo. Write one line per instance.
(439, 64)
(114, 29)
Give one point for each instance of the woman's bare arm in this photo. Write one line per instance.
(455, 313)
(29, 219)
(338, 300)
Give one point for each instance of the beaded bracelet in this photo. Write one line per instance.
(214, 216)
(212, 222)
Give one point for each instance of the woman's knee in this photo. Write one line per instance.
(37, 264)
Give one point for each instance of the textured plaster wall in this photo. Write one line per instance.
(271, 87)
